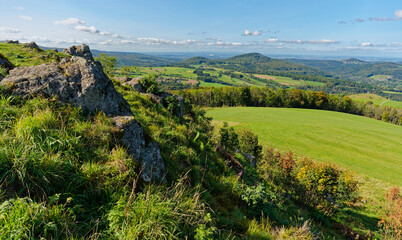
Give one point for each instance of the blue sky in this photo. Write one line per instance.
(348, 28)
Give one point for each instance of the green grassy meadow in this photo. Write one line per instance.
(289, 81)
(377, 100)
(366, 146)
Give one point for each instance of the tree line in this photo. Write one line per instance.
(288, 98)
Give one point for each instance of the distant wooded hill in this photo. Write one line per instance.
(354, 69)
(137, 59)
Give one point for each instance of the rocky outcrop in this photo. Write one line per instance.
(5, 63)
(134, 83)
(12, 41)
(80, 80)
(80, 51)
(164, 98)
(147, 153)
(77, 81)
(32, 45)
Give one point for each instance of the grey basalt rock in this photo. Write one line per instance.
(79, 81)
(32, 45)
(5, 63)
(12, 41)
(161, 98)
(146, 153)
(80, 51)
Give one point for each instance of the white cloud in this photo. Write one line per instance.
(70, 21)
(366, 44)
(248, 33)
(293, 41)
(213, 39)
(359, 20)
(271, 40)
(115, 35)
(9, 30)
(90, 29)
(322, 41)
(398, 14)
(27, 18)
(18, 8)
(127, 42)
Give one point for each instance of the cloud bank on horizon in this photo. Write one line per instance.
(110, 27)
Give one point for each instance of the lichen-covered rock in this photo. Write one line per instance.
(167, 97)
(32, 45)
(5, 63)
(79, 81)
(164, 98)
(135, 84)
(152, 162)
(12, 41)
(80, 51)
(147, 154)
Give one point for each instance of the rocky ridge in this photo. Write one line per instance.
(80, 81)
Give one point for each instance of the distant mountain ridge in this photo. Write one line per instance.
(255, 63)
(353, 68)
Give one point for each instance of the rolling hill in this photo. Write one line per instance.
(367, 146)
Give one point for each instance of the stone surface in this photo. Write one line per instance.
(178, 110)
(12, 41)
(161, 98)
(79, 81)
(80, 51)
(135, 84)
(152, 162)
(5, 63)
(251, 159)
(147, 154)
(32, 45)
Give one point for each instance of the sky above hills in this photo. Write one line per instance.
(347, 28)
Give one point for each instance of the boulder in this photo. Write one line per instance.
(178, 109)
(146, 153)
(78, 81)
(251, 159)
(12, 41)
(32, 45)
(135, 84)
(163, 98)
(80, 51)
(5, 63)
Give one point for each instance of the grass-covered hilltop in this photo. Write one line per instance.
(88, 151)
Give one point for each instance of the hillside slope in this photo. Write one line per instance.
(364, 145)
(67, 171)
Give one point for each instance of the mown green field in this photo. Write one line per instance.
(377, 100)
(367, 146)
(381, 77)
(289, 81)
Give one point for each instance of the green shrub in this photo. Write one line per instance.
(228, 138)
(150, 84)
(326, 184)
(248, 143)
